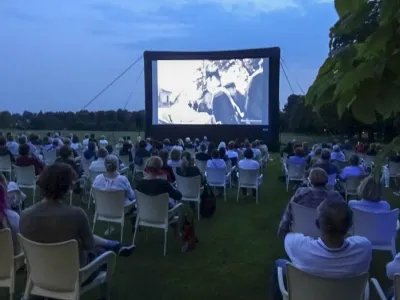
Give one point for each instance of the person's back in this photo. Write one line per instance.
(325, 163)
(55, 222)
(315, 257)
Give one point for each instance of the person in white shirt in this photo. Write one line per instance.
(232, 154)
(76, 145)
(392, 268)
(175, 158)
(57, 138)
(97, 165)
(12, 145)
(248, 163)
(332, 255)
(215, 162)
(111, 180)
(103, 142)
(85, 141)
(178, 145)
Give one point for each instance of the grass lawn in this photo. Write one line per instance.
(233, 259)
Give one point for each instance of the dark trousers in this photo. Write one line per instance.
(274, 287)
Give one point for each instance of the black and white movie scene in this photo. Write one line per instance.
(228, 92)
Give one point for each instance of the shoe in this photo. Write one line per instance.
(125, 251)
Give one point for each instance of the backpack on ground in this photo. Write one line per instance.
(208, 202)
(188, 233)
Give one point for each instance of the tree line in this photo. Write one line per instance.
(295, 117)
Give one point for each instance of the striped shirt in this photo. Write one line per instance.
(308, 197)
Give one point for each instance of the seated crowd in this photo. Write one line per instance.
(333, 253)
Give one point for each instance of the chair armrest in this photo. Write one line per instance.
(378, 289)
(261, 176)
(281, 282)
(124, 170)
(132, 203)
(108, 258)
(228, 174)
(233, 169)
(175, 208)
(19, 261)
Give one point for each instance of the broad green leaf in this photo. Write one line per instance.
(344, 101)
(389, 10)
(363, 112)
(345, 6)
(328, 66)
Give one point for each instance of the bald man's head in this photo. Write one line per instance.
(334, 217)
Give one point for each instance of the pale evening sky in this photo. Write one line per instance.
(57, 54)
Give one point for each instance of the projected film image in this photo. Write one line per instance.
(226, 92)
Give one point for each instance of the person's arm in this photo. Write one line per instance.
(85, 234)
(129, 191)
(172, 192)
(286, 221)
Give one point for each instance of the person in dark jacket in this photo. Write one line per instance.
(66, 156)
(90, 153)
(4, 150)
(141, 153)
(25, 159)
(152, 186)
(126, 150)
(202, 155)
(187, 169)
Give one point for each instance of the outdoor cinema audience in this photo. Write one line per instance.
(333, 254)
(4, 151)
(52, 221)
(311, 197)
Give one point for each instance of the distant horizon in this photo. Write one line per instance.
(58, 59)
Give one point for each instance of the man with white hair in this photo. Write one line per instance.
(188, 143)
(57, 138)
(85, 141)
(103, 142)
(149, 146)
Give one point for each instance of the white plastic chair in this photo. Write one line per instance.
(190, 187)
(202, 165)
(6, 165)
(49, 157)
(85, 164)
(26, 178)
(110, 207)
(380, 228)
(92, 176)
(381, 294)
(216, 177)
(153, 212)
(304, 220)
(125, 160)
(139, 169)
(249, 179)
(394, 169)
(304, 286)
(368, 161)
(340, 164)
(9, 264)
(294, 172)
(54, 270)
(192, 151)
(348, 153)
(351, 186)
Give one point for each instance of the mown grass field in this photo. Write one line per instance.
(233, 259)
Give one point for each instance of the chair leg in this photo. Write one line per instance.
(165, 242)
(134, 234)
(34, 196)
(394, 248)
(94, 222)
(237, 195)
(256, 195)
(198, 210)
(122, 230)
(225, 192)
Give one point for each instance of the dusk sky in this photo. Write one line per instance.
(56, 55)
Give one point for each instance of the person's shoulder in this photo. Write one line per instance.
(359, 241)
(294, 239)
(12, 214)
(301, 191)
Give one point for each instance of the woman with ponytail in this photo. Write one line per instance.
(9, 218)
(187, 168)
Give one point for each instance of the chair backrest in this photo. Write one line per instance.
(348, 153)
(53, 267)
(7, 254)
(125, 160)
(109, 204)
(5, 163)
(296, 171)
(304, 220)
(140, 168)
(189, 186)
(152, 209)
(202, 165)
(352, 183)
(394, 168)
(158, 176)
(249, 177)
(304, 286)
(49, 157)
(340, 164)
(93, 175)
(85, 163)
(396, 284)
(216, 175)
(378, 227)
(228, 166)
(331, 181)
(25, 175)
(192, 151)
